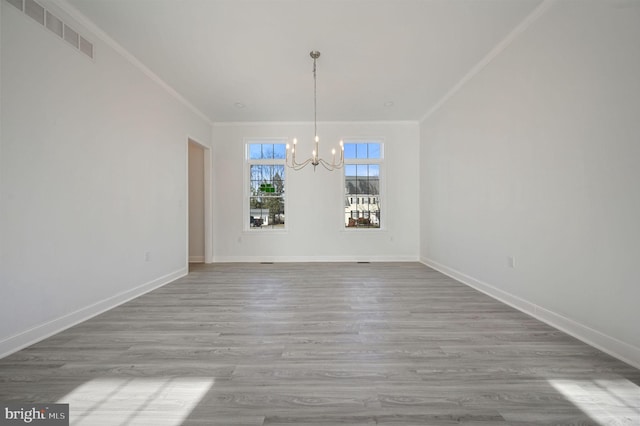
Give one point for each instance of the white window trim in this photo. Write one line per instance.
(247, 183)
(383, 184)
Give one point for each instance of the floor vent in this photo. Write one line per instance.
(266, 263)
(363, 262)
(42, 16)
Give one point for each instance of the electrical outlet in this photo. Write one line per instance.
(147, 256)
(511, 261)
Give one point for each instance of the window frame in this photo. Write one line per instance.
(248, 162)
(381, 196)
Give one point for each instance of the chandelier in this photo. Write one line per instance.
(315, 159)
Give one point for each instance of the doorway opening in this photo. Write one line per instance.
(199, 207)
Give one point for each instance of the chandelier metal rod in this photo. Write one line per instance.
(315, 96)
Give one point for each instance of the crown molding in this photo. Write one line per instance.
(81, 19)
(307, 123)
(540, 10)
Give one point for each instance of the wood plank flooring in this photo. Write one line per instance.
(321, 344)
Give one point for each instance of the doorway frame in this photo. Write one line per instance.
(208, 207)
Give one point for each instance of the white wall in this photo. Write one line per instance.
(196, 203)
(93, 177)
(537, 158)
(315, 204)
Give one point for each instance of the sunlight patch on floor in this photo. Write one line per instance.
(606, 401)
(163, 401)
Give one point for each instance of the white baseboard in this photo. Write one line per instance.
(40, 332)
(293, 259)
(610, 345)
(196, 259)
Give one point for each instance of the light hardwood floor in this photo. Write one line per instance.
(321, 344)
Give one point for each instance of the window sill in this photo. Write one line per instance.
(367, 230)
(259, 231)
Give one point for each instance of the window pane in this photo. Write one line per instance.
(363, 186)
(374, 186)
(278, 171)
(253, 187)
(255, 178)
(361, 150)
(279, 151)
(255, 202)
(277, 181)
(374, 150)
(265, 173)
(368, 150)
(351, 186)
(255, 151)
(350, 169)
(266, 179)
(257, 172)
(267, 213)
(349, 150)
(267, 151)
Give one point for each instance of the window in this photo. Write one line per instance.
(363, 161)
(266, 164)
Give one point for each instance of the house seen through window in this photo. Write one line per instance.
(266, 164)
(363, 161)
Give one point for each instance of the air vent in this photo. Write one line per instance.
(34, 10)
(72, 37)
(17, 3)
(86, 47)
(54, 24)
(44, 17)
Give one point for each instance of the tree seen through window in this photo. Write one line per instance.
(266, 185)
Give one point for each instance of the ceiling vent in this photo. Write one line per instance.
(34, 10)
(16, 3)
(54, 24)
(72, 37)
(86, 47)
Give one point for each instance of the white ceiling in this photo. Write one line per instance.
(218, 53)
